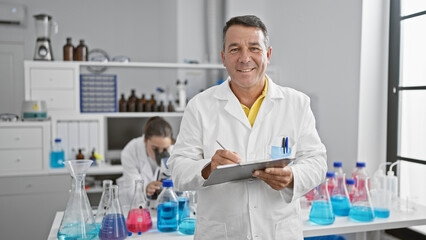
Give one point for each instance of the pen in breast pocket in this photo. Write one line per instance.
(284, 145)
(220, 145)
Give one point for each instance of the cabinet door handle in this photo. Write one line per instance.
(18, 160)
(18, 138)
(29, 185)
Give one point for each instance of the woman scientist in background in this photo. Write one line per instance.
(141, 159)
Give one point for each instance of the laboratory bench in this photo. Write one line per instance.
(342, 225)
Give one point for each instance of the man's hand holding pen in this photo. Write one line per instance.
(221, 157)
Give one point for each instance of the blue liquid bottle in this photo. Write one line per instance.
(362, 207)
(167, 208)
(321, 210)
(113, 225)
(340, 198)
(57, 155)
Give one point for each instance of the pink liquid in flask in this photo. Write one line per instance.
(139, 220)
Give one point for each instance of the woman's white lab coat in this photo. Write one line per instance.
(136, 165)
(248, 209)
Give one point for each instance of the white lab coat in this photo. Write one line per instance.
(247, 209)
(136, 165)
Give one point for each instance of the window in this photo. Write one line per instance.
(407, 96)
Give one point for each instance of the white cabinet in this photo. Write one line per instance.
(54, 82)
(24, 146)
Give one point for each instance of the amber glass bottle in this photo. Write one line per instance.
(132, 102)
(79, 155)
(161, 107)
(81, 52)
(141, 104)
(153, 103)
(170, 107)
(122, 104)
(68, 50)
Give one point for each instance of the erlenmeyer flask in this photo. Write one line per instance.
(182, 200)
(104, 203)
(189, 215)
(113, 225)
(321, 210)
(362, 207)
(78, 221)
(340, 198)
(139, 218)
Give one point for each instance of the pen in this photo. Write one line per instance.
(286, 145)
(220, 145)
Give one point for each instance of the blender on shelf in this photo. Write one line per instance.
(44, 29)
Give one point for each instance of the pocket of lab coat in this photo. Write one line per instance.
(207, 229)
(277, 141)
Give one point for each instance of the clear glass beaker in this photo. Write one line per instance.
(362, 207)
(139, 218)
(188, 216)
(183, 199)
(321, 210)
(340, 198)
(104, 203)
(113, 225)
(78, 221)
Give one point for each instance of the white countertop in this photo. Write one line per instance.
(342, 225)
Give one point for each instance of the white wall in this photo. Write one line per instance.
(316, 46)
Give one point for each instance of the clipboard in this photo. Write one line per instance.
(243, 171)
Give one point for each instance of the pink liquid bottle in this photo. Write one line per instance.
(139, 218)
(350, 185)
(331, 181)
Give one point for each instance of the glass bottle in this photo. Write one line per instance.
(189, 215)
(122, 104)
(161, 107)
(362, 207)
(331, 181)
(321, 210)
(153, 103)
(104, 203)
(360, 172)
(132, 102)
(338, 170)
(340, 198)
(167, 208)
(57, 155)
(81, 52)
(113, 225)
(350, 185)
(139, 218)
(68, 50)
(141, 104)
(78, 221)
(79, 155)
(170, 107)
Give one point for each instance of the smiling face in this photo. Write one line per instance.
(245, 56)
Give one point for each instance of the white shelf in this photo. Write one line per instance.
(137, 114)
(152, 65)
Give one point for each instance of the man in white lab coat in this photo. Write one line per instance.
(248, 114)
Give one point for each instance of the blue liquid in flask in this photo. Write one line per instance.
(73, 231)
(361, 214)
(341, 205)
(182, 201)
(187, 226)
(167, 217)
(321, 213)
(113, 227)
(381, 212)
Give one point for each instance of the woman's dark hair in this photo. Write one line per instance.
(157, 126)
(248, 21)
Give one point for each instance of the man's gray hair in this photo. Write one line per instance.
(249, 21)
